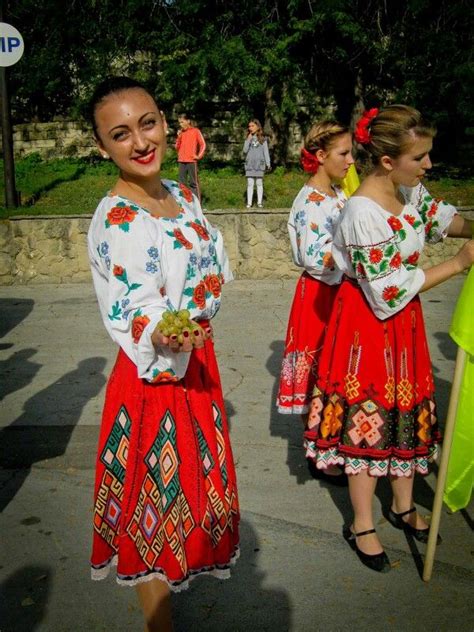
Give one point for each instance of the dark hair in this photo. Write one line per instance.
(111, 85)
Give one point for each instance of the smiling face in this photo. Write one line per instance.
(410, 167)
(131, 131)
(337, 159)
(252, 127)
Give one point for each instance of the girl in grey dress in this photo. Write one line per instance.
(257, 159)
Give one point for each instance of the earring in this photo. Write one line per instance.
(106, 156)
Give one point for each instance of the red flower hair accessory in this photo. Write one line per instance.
(362, 133)
(308, 161)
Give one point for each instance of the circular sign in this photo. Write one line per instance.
(11, 45)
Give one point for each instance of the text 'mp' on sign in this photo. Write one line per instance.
(11, 45)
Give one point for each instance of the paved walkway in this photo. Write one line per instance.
(295, 573)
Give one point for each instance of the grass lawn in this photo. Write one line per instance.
(74, 187)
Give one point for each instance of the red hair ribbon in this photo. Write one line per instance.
(308, 161)
(361, 133)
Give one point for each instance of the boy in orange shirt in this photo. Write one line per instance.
(191, 146)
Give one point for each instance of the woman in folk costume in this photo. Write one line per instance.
(373, 410)
(166, 505)
(327, 156)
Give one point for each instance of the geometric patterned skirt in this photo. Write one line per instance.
(309, 316)
(165, 502)
(373, 405)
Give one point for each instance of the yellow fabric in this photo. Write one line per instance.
(460, 476)
(351, 181)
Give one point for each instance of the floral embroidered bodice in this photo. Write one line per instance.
(381, 250)
(144, 265)
(311, 225)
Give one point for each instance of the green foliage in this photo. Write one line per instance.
(279, 61)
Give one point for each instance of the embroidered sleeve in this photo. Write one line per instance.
(310, 226)
(373, 253)
(128, 280)
(436, 214)
(212, 244)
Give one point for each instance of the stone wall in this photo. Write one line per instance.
(53, 249)
(63, 139)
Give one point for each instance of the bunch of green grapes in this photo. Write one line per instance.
(176, 323)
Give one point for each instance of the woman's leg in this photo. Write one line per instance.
(361, 491)
(402, 488)
(259, 191)
(155, 600)
(250, 185)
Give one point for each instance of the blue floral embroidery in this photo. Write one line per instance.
(104, 248)
(151, 267)
(107, 262)
(300, 218)
(205, 262)
(193, 259)
(153, 253)
(329, 225)
(211, 249)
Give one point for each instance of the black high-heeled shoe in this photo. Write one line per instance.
(378, 562)
(396, 520)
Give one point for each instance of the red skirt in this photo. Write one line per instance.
(307, 323)
(373, 405)
(166, 502)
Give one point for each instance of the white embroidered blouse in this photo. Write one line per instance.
(144, 265)
(311, 225)
(381, 250)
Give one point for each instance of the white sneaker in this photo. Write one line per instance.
(260, 205)
(248, 206)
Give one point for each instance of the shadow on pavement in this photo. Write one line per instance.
(24, 598)
(240, 604)
(13, 311)
(289, 427)
(44, 429)
(17, 371)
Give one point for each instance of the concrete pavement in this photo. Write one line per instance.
(295, 573)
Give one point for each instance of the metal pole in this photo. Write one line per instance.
(11, 197)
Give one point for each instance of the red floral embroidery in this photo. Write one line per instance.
(182, 239)
(165, 376)
(432, 210)
(395, 223)
(138, 325)
(413, 258)
(375, 255)
(118, 271)
(396, 260)
(390, 292)
(328, 261)
(162, 291)
(121, 215)
(410, 219)
(213, 284)
(188, 196)
(201, 231)
(314, 196)
(199, 295)
(360, 269)
(428, 227)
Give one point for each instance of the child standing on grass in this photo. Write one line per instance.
(257, 159)
(190, 146)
